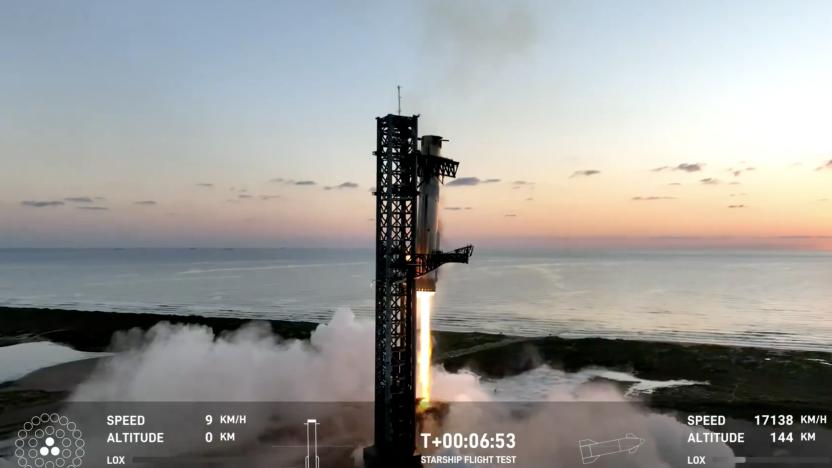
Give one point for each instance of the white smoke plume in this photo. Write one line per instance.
(174, 363)
(189, 363)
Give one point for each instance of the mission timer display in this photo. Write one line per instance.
(488, 448)
(451, 440)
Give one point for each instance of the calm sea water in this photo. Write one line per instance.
(770, 299)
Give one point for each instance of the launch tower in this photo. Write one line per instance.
(407, 249)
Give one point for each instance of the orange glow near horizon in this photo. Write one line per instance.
(773, 205)
(776, 205)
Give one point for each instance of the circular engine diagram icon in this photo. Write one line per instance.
(49, 441)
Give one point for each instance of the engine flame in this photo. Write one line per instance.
(423, 303)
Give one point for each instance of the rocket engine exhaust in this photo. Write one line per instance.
(423, 302)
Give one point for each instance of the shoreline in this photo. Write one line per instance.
(740, 380)
(19, 325)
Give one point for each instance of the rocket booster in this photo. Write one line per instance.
(427, 213)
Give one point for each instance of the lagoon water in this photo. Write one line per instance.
(757, 298)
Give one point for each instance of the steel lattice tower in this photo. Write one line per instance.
(399, 169)
(395, 366)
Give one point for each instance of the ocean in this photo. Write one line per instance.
(769, 299)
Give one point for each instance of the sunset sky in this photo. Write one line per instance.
(644, 124)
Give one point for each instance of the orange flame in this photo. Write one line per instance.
(423, 299)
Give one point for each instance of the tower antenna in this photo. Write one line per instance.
(399, 96)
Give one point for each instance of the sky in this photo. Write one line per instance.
(585, 124)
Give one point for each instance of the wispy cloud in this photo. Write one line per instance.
(738, 172)
(464, 182)
(652, 198)
(585, 173)
(519, 184)
(93, 208)
(510, 215)
(686, 167)
(736, 206)
(145, 202)
(469, 181)
(41, 204)
(281, 180)
(205, 184)
(827, 165)
(343, 185)
(270, 197)
(709, 181)
(78, 199)
(244, 196)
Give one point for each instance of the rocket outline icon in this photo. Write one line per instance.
(592, 450)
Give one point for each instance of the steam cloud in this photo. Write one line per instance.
(190, 363)
(173, 362)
